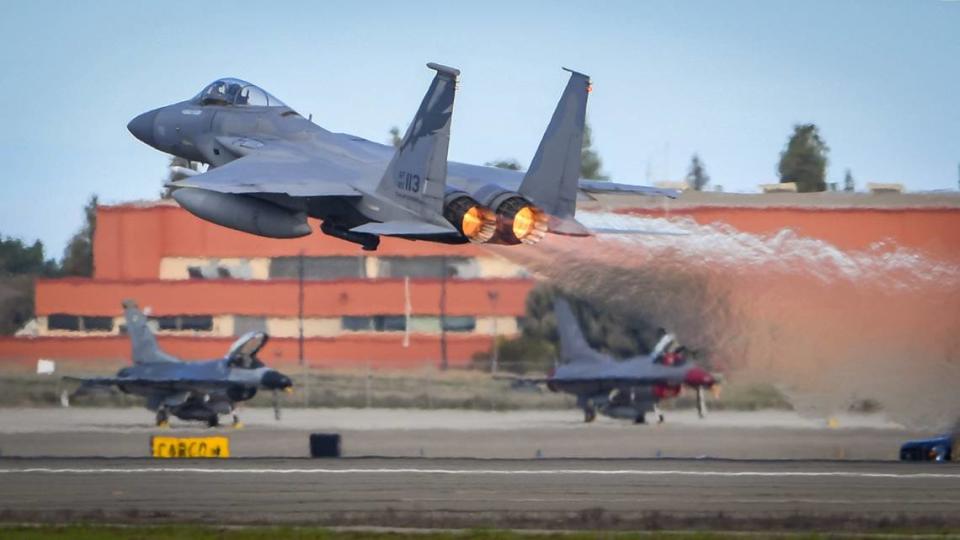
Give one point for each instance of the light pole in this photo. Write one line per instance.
(495, 351)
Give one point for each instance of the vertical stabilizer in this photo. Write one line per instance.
(142, 340)
(554, 174)
(417, 175)
(573, 345)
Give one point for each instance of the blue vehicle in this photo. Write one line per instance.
(933, 449)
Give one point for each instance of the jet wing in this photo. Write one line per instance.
(179, 385)
(284, 168)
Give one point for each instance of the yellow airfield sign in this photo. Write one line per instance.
(189, 447)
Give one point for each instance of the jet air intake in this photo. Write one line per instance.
(243, 213)
(518, 219)
(474, 221)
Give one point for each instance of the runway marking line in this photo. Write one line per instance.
(482, 472)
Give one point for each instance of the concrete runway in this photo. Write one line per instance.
(505, 493)
(467, 469)
(80, 432)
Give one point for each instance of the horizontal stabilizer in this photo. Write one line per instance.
(652, 232)
(404, 228)
(567, 227)
(603, 186)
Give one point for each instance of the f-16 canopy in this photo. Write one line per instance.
(236, 92)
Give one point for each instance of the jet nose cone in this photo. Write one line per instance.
(274, 380)
(142, 126)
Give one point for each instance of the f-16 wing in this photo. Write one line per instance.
(173, 385)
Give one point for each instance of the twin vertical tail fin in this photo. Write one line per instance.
(552, 181)
(416, 178)
(143, 342)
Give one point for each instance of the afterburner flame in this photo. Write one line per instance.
(523, 223)
(472, 224)
(474, 221)
(529, 225)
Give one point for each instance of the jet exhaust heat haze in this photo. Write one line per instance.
(832, 329)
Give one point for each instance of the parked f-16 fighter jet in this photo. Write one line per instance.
(270, 168)
(190, 390)
(629, 388)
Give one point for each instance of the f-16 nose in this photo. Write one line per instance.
(698, 377)
(274, 380)
(142, 126)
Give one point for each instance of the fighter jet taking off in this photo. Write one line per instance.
(629, 388)
(189, 390)
(270, 169)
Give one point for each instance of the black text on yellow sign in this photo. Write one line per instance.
(189, 447)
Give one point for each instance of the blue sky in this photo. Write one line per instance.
(726, 79)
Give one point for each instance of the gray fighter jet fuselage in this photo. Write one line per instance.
(270, 168)
(628, 388)
(200, 390)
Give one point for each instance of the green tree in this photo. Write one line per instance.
(17, 258)
(20, 264)
(510, 163)
(395, 137)
(697, 177)
(848, 183)
(78, 255)
(590, 163)
(804, 160)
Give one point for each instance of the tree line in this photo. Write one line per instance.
(803, 161)
(21, 263)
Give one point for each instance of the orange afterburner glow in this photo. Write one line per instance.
(523, 223)
(529, 224)
(474, 221)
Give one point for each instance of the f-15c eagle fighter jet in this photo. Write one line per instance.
(270, 169)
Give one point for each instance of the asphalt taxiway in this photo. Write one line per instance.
(470, 492)
(414, 468)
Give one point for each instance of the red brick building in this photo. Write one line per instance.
(204, 285)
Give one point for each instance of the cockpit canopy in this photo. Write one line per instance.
(236, 93)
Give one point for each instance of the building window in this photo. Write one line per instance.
(97, 324)
(318, 268)
(428, 267)
(422, 324)
(62, 321)
(215, 271)
(374, 323)
(459, 324)
(173, 323)
(79, 323)
(356, 324)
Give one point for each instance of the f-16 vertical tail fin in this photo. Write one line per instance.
(553, 178)
(142, 340)
(417, 175)
(573, 345)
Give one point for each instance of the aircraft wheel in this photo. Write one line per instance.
(589, 414)
(237, 424)
(163, 418)
(213, 421)
(640, 419)
(660, 418)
